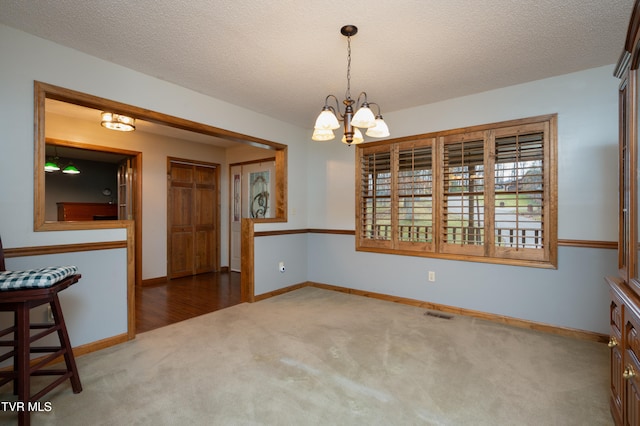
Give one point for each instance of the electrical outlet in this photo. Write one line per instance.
(49, 314)
(432, 276)
(281, 267)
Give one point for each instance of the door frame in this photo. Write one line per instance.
(43, 91)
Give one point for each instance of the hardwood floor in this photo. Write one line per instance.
(183, 298)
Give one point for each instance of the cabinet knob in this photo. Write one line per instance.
(612, 342)
(629, 372)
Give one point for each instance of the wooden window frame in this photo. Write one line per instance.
(544, 251)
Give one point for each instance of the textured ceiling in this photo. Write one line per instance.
(281, 58)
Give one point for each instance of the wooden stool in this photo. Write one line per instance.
(20, 299)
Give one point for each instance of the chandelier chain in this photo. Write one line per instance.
(348, 93)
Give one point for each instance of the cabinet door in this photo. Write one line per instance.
(632, 400)
(616, 384)
(624, 180)
(634, 175)
(617, 362)
(631, 371)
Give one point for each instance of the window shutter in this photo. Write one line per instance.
(414, 190)
(486, 193)
(463, 197)
(519, 193)
(375, 195)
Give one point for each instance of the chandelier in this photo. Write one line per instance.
(363, 118)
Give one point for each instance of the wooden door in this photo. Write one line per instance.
(192, 219)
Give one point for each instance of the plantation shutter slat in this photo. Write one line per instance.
(463, 196)
(414, 189)
(519, 188)
(375, 214)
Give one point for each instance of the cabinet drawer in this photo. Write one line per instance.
(632, 336)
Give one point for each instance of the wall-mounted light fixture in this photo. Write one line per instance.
(119, 122)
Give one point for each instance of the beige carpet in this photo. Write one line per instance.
(317, 357)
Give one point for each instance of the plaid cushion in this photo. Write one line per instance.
(35, 278)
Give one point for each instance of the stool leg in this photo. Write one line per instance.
(69, 359)
(23, 376)
(15, 352)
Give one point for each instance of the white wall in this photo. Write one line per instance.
(26, 58)
(155, 149)
(587, 106)
(574, 295)
(321, 184)
(94, 308)
(270, 251)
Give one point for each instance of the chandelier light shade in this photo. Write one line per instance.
(323, 135)
(363, 118)
(119, 122)
(380, 130)
(327, 120)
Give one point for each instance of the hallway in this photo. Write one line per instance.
(183, 298)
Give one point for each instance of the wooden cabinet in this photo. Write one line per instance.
(87, 211)
(617, 362)
(631, 405)
(624, 343)
(625, 287)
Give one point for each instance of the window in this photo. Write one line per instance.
(487, 194)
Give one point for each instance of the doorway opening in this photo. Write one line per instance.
(68, 126)
(103, 187)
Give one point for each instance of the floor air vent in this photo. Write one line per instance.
(438, 315)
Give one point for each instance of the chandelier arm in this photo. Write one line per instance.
(377, 106)
(335, 110)
(358, 104)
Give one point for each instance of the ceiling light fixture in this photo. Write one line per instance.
(54, 164)
(363, 118)
(71, 169)
(119, 122)
(51, 165)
